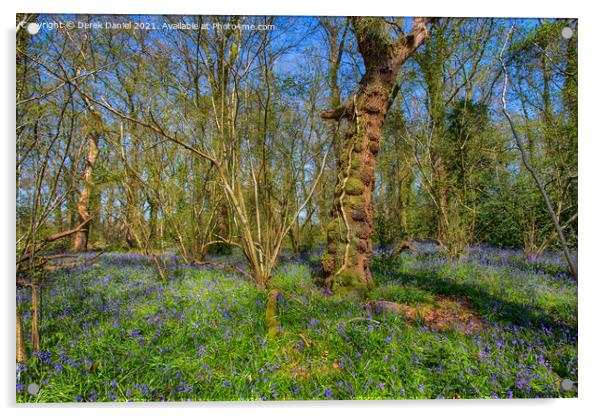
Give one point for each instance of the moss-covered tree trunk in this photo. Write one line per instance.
(346, 261)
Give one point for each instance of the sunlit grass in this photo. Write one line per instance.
(115, 332)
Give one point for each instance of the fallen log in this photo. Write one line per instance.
(64, 265)
(49, 239)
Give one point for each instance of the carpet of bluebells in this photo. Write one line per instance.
(113, 331)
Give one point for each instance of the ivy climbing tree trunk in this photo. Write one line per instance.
(346, 261)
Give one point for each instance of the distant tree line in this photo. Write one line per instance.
(331, 134)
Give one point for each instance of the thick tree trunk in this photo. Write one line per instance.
(80, 242)
(349, 248)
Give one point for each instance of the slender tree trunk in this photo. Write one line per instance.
(441, 191)
(58, 217)
(294, 236)
(534, 175)
(130, 238)
(404, 198)
(349, 248)
(152, 223)
(403, 217)
(35, 332)
(80, 242)
(21, 355)
(222, 227)
(71, 198)
(109, 223)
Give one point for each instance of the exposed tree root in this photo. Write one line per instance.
(308, 342)
(446, 313)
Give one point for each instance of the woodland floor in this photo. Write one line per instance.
(494, 325)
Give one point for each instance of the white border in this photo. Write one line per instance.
(507, 8)
(590, 201)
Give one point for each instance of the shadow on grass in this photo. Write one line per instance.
(488, 305)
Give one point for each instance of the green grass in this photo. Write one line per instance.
(114, 332)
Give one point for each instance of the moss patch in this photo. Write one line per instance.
(354, 186)
(354, 202)
(270, 313)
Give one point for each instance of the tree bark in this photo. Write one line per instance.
(80, 242)
(35, 332)
(21, 355)
(346, 261)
